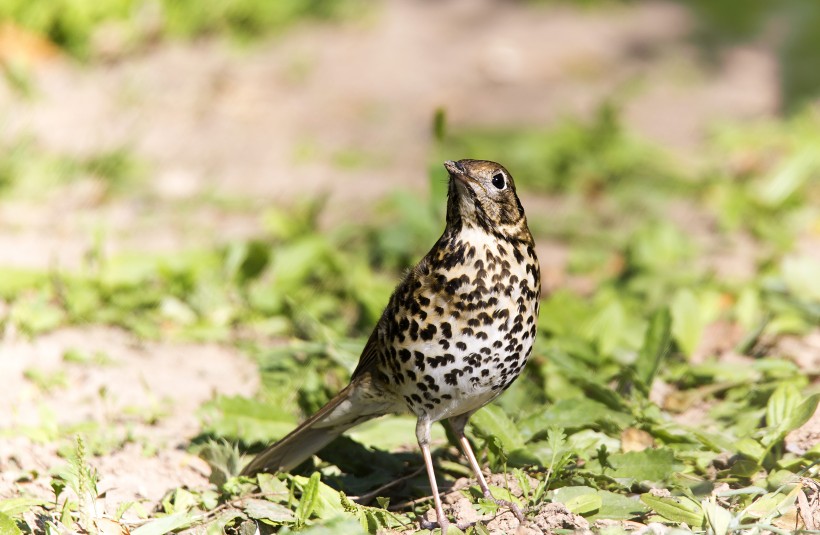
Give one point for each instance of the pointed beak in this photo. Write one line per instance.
(456, 171)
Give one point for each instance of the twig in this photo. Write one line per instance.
(411, 503)
(805, 510)
(366, 498)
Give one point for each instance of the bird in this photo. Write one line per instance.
(456, 332)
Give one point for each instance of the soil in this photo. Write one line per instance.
(142, 398)
(549, 518)
(343, 109)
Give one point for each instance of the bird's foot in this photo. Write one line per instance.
(443, 524)
(512, 506)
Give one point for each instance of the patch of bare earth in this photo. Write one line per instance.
(136, 400)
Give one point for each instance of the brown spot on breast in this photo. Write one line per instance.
(428, 332)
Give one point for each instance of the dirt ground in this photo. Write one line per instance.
(269, 124)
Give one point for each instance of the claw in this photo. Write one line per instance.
(444, 525)
(512, 506)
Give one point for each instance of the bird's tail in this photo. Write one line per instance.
(350, 407)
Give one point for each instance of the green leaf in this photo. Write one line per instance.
(17, 506)
(744, 468)
(571, 414)
(391, 433)
(658, 247)
(800, 276)
(782, 403)
(655, 348)
(750, 448)
(612, 328)
(439, 124)
(337, 526)
(246, 419)
(293, 262)
(36, 313)
(247, 259)
(682, 509)
(561, 313)
(788, 179)
(8, 526)
(307, 503)
(564, 494)
(179, 500)
(773, 503)
(718, 518)
(265, 510)
(687, 320)
(492, 421)
(165, 524)
(802, 413)
(610, 505)
(272, 487)
(617, 507)
(789, 417)
(499, 493)
(637, 466)
(749, 309)
(584, 504)
(326, 501)
(217, 526)
(14, 281)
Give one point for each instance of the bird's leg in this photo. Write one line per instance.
(457, 424)
(423, 436)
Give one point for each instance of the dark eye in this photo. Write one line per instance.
(498, 180)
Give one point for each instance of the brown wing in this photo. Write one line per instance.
(372, 349)
(369, 357)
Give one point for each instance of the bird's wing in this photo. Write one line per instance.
(369, 357)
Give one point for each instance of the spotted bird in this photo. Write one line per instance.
(456, 332)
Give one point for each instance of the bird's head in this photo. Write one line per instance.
(482, 194)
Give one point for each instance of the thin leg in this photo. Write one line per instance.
(457, 424)
(423, 436)
(468, 452)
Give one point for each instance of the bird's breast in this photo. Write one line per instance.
(460, 329)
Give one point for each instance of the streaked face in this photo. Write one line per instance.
(482, 193)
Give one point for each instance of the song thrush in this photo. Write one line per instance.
(456, 332)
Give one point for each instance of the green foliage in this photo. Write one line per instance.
(679, 510)
(164, 524)
(626, 346)
(8, 526)
(244, 419)
(574, 157)
(244, 18)
(72, 24)
(28, 169)
(592, 503)
(654, 350)
(78, 508)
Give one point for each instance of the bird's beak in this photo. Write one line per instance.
(456, 171)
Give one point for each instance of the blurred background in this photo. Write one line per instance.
(167, 102)
(186, 184)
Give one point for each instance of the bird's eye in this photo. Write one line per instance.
(498, 180)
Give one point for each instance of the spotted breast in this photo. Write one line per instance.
(460, 329)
